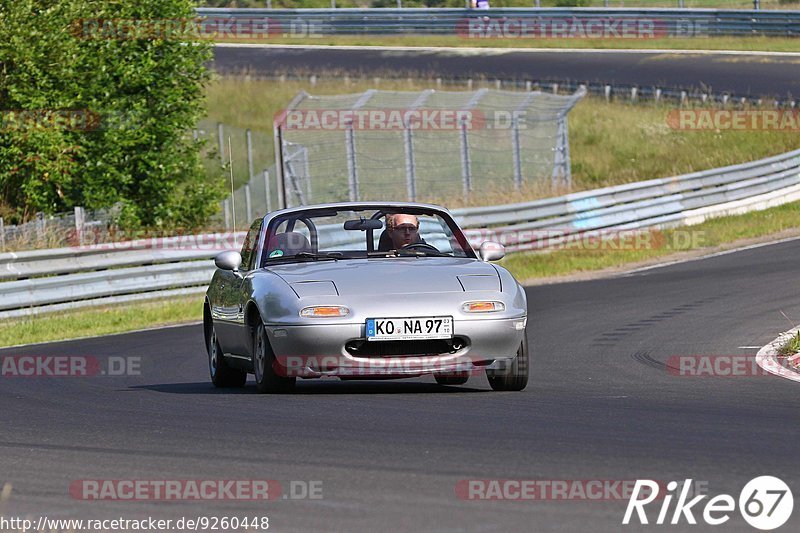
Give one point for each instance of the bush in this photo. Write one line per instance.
(146, 93)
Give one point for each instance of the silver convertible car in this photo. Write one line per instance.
(363, 290)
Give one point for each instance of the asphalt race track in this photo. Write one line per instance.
(601, 405)
(741, 74)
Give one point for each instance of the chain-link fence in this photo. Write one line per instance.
(56, 230)
(245, 158)
(433, 146)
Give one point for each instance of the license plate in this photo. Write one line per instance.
(412, 328)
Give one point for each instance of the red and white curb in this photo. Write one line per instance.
(767, 357)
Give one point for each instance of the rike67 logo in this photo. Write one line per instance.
(765, 503)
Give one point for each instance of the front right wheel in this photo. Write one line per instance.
(265, 365)
(222, 374)
(514, 377)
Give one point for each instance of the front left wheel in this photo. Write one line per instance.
(222, 374)
(265, 366)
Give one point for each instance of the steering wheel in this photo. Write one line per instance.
(422, 246)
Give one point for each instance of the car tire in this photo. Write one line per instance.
(222, 374)
(515, 376)
(268, 381)
(452, 378)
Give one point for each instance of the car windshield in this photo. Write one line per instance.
(333, 234)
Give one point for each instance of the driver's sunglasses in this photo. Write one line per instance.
(410, 228)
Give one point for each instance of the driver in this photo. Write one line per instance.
(403, 230)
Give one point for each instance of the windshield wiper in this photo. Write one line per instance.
(421, 253)
(335, 256)
(408, 253)
(383, 253)
(329, 256)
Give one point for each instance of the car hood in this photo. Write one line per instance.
(396, 275)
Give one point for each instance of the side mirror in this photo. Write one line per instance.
(492, 251)
(230, 260)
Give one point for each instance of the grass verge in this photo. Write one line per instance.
(715, 234)
(712, 235)
(791, 347)
(101, 320)
(744, 44)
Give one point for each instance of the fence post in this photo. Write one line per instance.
(515, 143)
(278, 136)
(408, 138)
(352, 168)
(248, 207)
(466, 164)
(307, 172)
(515, 148)
(2, 235)
(40, 225)
(249, 154)
(221, 143)
(80, 219)
(267, 192)
(411, 178)
(562, 167)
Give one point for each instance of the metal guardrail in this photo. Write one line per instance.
(500, 22)
(658, 202)
(92, 275)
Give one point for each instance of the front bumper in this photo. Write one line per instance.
(319, 350)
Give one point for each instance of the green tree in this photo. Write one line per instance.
(142, 93)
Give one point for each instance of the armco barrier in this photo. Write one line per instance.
(499, 22)
(92, 275)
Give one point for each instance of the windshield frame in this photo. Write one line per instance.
(274, 219)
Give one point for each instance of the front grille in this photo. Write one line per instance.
(363, 348)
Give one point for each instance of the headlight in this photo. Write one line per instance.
(483, 307)
(324, 311)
